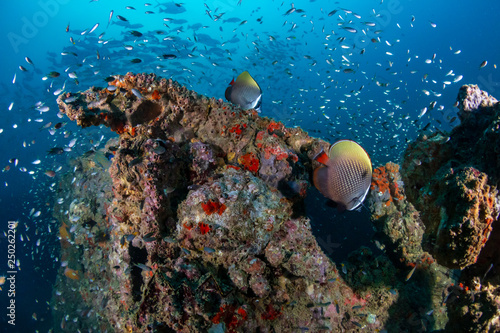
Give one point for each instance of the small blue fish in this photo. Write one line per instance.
(169, 240)
(144, 267)
(137, 93)
(208, 249)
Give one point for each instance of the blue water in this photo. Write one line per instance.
(297, 60)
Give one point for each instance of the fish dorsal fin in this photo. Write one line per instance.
(247, 80)
(350, 149)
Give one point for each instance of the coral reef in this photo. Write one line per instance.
(200, 230)
(196, 224)
(400, 232)
(452, 179)
(454, 184)
(394, 216)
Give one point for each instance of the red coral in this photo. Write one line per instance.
(270, 313)
(242, 313)
(250, 162)
(211, 207)
(274, 126)
(229, 317)
(259, 137)
(236, 129)
(204, 228)
(276, 151)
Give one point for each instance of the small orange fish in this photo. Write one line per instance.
(63, 232)
(71, 273)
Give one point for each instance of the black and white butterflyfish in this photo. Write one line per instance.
(245, 92)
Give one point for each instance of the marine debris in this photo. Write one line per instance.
(191, 220)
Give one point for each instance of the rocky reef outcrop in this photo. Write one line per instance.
(453, 180)
(192, 220)
(203, 226)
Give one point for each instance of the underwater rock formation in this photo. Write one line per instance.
(453, 180)
(201, 231)
(197, 224)
(400, 232)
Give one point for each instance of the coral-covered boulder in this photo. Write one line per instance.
(472, 100)
(453, 180)
(463, 209)
(232, 218)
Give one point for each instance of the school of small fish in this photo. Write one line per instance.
(336, 72)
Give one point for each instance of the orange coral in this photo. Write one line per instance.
(118, 128)
(384, 179)
(63, 232)
(155, 95)
(380, 180)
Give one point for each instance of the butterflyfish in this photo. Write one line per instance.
(244, 92)
(345, 175)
